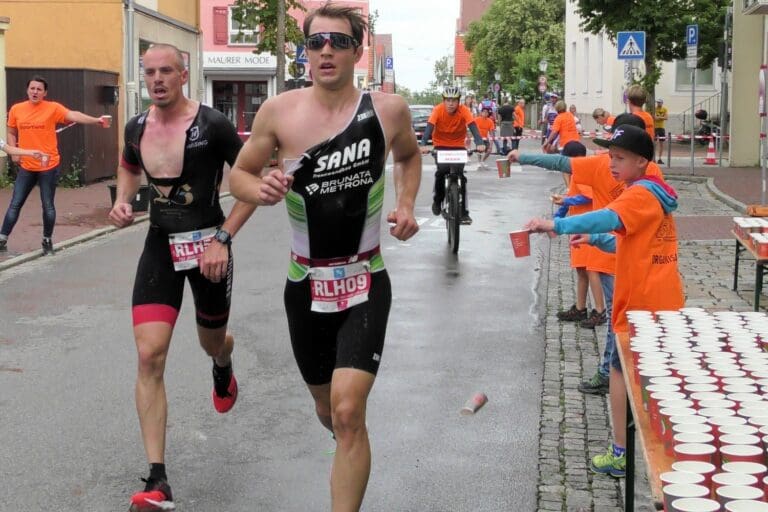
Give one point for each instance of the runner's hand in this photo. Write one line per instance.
(273, 187)
(405, 225)
(577, 240)
(121, 215)
(214, 261)
(539, 225)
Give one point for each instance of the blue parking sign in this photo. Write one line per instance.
(692, 35)
(388, 63)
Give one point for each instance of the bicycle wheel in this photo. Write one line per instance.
(453, 222)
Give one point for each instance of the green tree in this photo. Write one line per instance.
(664, 24)
(511, 38)
(443, 73)
(266, 17)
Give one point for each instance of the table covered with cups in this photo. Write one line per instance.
(697, 390)
(751, 236)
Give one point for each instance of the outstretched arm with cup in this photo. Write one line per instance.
(73, 116)
(598, 224)
(14, 151)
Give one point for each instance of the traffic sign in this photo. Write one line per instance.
(301, 54)
(631, 45)
(388, 63)
(692, 35)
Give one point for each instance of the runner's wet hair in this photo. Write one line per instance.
(38, 78)
(165, 46)
(330, 10)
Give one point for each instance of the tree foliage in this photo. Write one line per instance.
(664, 23)
(443, 73)
(511, 38)
(261, 15)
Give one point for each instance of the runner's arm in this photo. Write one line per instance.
(231, 145)
(245, 180)
(128, 183)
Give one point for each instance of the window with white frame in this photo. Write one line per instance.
(704, 77)
(586, 66)
(240, 37)
(574, 68)
(599, 75)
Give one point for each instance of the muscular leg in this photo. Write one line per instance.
(217, 343)
(152, 342)
(322, 396)
(352, 462)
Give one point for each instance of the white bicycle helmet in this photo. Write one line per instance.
(451, 91)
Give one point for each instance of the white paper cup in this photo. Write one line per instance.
(695, 452)
(747, 439)
(737, 492)
(692, 428)
(746, 506)
(681, 477)
(702, 468)
(700, 388)
(759, 471)
(742, 453)
(717, 404)
(740, 388)
(732, 479)
(695, 505)
(739, 429)
(692, 437)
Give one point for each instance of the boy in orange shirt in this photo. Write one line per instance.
(485, 125)
(647, 277)
(637, 97)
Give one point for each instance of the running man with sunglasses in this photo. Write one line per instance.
(182, 147)
(447, 129)
(333, 141)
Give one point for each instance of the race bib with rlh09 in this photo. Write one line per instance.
(340, 287)
(450, 156)
(186, 248)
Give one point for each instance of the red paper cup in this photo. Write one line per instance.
(730, 493)
(739, 429)
(694, 505)
(521, 242)
(691, 437)
(742, 453)
(759, 471)
(702, 468)
(502, 165)
(681, 477)
(696, 452)
(674, 492)
(746, 506)
(726, 479)
(746, 439)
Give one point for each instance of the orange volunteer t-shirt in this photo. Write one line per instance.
(647, 277)
(484, 125)
(450, 129)
(519, 121)
(648, 120)
(565, 126)
(36, 127)
(595, 171)
(580, 255)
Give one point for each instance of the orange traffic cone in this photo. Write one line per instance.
(711, 158)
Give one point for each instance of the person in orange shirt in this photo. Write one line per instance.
(603, 119)
(647, 275)
(563, 129)
(485, 126)
(447, 128)
(636, 96)
(519, 122)
(32, 124)
(594, 171)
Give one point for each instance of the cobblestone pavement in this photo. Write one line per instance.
(574, 427)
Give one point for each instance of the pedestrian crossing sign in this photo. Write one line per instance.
(631, 45)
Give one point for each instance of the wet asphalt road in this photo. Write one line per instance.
(69, 437)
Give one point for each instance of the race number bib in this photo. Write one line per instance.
(338, 288)
(186, 248)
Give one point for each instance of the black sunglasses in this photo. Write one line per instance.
(338, 40)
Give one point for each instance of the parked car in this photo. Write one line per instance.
(419, 116)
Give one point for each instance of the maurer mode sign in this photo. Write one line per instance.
(242, 60)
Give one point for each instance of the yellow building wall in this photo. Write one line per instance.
(70, 34)
(185, 11)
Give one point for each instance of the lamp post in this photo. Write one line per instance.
(543, 85)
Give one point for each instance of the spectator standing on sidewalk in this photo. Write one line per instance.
(661, 133)
(637, 96)
(32, 124)
(548, 115)
(563, 130)
(506, 115)
(645, 244)
(572, 110)
(485, 126)
(519, 122)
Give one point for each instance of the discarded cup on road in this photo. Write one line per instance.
(521, 242)
(474, 404)
(502, 165)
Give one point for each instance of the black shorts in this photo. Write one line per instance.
(353, 338)
(660, 132)
(158, 289)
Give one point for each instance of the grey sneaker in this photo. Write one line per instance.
(597, 385)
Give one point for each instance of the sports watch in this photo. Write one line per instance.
(223, 236)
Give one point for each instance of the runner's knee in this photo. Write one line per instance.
(348, 416)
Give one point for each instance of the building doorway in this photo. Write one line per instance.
(239, 101)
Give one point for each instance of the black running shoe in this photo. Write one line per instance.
(466, 219)
(47, 247)
(155, 496)
(436, 208)
(3, 245)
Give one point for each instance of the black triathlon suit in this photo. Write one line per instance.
(192, 204)
(334, 207)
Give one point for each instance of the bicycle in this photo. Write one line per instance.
(453, 201)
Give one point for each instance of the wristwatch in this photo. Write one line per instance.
(223, 237)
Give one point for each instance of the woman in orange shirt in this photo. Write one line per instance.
(647, 276)
(485, 125)
(563, 129)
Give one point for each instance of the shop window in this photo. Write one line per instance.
(237, 36)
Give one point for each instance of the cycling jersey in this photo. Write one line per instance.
(193, 201)
(450, 130)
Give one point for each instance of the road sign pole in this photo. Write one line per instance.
(693, 115)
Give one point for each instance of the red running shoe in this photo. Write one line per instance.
(155, 496)
(223, 402)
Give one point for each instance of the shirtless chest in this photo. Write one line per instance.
(162, 148)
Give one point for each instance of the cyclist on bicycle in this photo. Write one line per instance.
(447, 128)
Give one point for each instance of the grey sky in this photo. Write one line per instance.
(422, 32)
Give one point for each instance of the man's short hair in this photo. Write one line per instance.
(636, 95)
(38, 78)
(330, 10)
(179, 57)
